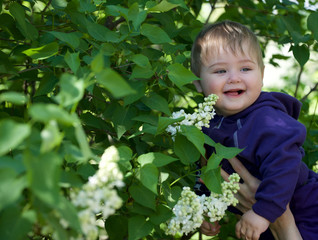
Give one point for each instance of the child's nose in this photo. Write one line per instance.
(233, 78)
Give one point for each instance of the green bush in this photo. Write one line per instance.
(78, 76)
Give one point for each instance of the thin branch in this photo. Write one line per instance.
(311, 90)
(25, 70)
(43, 11)
(298, 80)
(212, 9)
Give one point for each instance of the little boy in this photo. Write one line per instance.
(228, 59)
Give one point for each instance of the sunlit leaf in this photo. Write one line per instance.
(47, 112)
(72, 90)
(16, 98)
(163, 6)
(43, 52)
(157, 158)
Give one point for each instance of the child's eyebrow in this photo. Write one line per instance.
(247, 61)
(240, 61)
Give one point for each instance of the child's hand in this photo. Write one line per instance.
(251, 226)
(210, 229)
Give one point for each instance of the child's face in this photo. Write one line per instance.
(236, 80)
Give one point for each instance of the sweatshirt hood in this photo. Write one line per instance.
(277, 100)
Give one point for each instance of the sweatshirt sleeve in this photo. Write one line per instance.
(273, 140)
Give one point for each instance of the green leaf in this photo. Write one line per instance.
(125, 155)
(172, 195)
(51, 137)
(69, 213)
(101, 33)
(162, 215)
(195, 136)
(140, 88)
(209, 141)
(138, 227)
(98, 63)
(179, 75)
(163, 6)
(47, 168)
(113, 82)
(145, 118)
(122, 119)
(227, 152)
(71, 39)
(11, 187)
(72, 90)
(164, 122)
(141, 60)
(59, 4)
(15, 163)
(149, 175)
(136, 16)
(214, 161)
(212, 179)
(82, 141)
(301, 53)
(157, 102)
(15, 224)
(43, 52)
(154, 33)
(46, 112)
(185, 150)
(312, 24)
(12, 134)
(294, 29)
(142, 72)
(143, 196)
(117, 227)
(157, 158)
(26, 28)
(16, 98)
(72, 60)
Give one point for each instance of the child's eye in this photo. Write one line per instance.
(245, 69)
(220, 71)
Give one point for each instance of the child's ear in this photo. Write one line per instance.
(197, 85)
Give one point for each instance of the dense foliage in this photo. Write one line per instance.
(78, 76)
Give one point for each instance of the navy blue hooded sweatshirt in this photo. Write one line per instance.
(271, 137)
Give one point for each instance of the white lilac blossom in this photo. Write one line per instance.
(200, 117)
(190, 209)
(98, 195)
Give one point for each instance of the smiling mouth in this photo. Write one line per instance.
(235, 92)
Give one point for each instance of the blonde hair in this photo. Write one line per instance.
(226, 34)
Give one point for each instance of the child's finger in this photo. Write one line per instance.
(225, 175)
